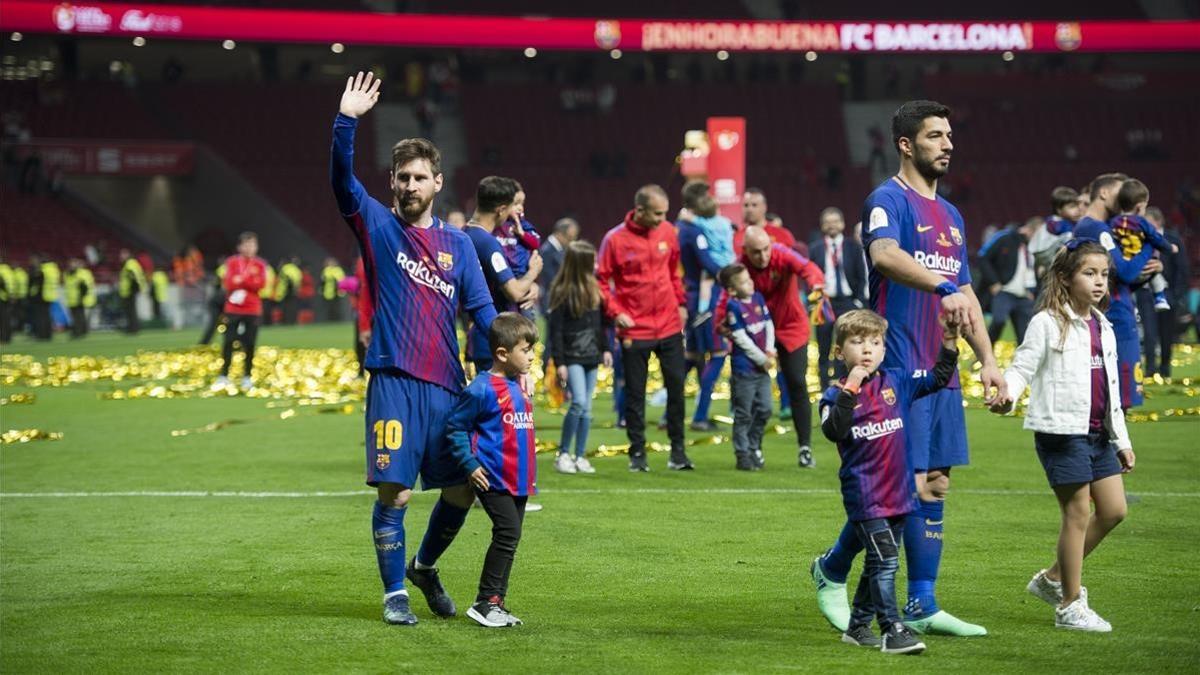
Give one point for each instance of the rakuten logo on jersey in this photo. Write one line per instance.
(419, 272)
(936, 262)
(519, 420)
(873, 430)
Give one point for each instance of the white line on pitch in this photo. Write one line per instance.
(555, 491)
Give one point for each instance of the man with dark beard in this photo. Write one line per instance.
(917, 257)
(419, 271)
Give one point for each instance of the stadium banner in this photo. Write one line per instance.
(522, 32)
(727, 164)
(112, 158)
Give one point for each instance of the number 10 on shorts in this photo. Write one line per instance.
(388, 434)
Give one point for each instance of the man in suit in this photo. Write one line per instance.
(841, 258)
(1161, 326)
(1010, 277)
(565, 231)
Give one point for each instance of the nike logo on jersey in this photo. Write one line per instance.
(924, 228)
(932, 523)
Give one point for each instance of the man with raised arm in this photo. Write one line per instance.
(917, 256)
(418, 270)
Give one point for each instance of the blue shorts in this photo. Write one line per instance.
(406, 432)
(1129, 368)
(937, 431)
(1076, 459)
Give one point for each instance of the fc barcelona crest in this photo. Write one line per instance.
(889, 396)
(957, 236)
(445, 260)
(382, 461)
(663, 247)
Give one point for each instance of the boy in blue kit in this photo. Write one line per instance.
(490, 436)
(753, 335)
(865, 414)
(419, 272)
(1132, 232)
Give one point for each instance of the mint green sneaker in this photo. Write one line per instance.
(831, 597)
(944, 623)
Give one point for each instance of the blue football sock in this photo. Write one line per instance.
(444, 524)
(708, 381)
(387, 524)
(836, 562)
(923, 551)
(784, 400)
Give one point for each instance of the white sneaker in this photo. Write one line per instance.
(564, 463)
(247, 383)
(221, 382)
(582, 465)
(1078, 616)
(1044, 589)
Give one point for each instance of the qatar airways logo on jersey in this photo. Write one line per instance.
(936, 262)
(419, 272)
(873, 430)
(519, 420)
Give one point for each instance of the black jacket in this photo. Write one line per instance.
(854, 264)
(576, 340)
(1175, 271)
(999, 262)
(552, 258)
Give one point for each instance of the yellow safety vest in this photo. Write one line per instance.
(132, 279)
(81, 288)
(51, 278)
(7, 282)
(158, 284)
(330, 277)
(290, 277)
(267, 292)
(20, 283)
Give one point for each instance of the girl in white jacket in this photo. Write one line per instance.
(1069, 361)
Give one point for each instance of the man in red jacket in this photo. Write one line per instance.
(774, 267)
(638, 270)
(245, 275)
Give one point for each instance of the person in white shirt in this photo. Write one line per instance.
(1069, 361)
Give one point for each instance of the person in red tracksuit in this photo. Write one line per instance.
(638, 271)
(774, 268)
(245, 275)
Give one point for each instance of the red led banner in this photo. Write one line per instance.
(511, 32)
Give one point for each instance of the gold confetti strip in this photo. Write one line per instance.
(18, 399)
(27, 435)
(290, 413)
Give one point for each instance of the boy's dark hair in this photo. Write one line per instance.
(1062, 196)
(706, 206)
(908, 118)
(509, 329)
(247, 236)
(1102, 181)
(1132, 193)
(494, 192)
(691, 193)
(409, 149)
(728, 272)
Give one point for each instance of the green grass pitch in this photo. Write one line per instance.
(697, 572)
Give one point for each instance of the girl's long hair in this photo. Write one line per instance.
(1056, 295)
(575, 286)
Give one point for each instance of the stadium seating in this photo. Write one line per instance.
(42, 224)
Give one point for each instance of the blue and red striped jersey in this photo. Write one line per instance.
(752, 316)
(517, 249)
(416, 278)
(492, 426)
(932, 232)
(876, 479)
